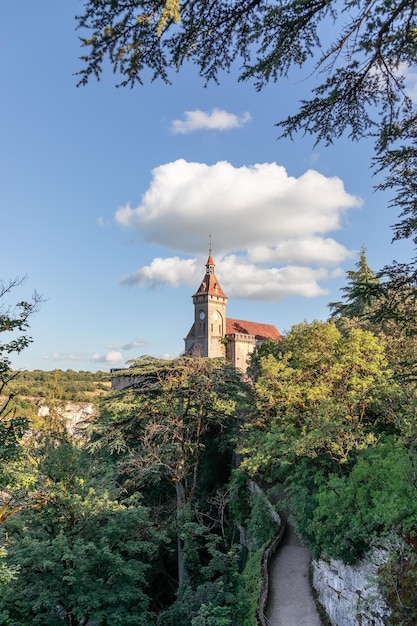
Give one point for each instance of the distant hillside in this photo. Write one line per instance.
(33, 388)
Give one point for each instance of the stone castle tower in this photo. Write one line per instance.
(213, 334)
(208, 331)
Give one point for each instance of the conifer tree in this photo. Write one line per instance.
(359, 292)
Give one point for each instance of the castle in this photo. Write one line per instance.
(213, 334)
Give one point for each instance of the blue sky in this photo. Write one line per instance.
(108, 197)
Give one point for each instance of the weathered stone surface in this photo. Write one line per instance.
(76, 414)
(349, 593)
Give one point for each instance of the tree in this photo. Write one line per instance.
(376, 500)
(325, 395)
(357, 294)
(364, 65)
(162, 426)
(214, 593)
(384, 303)
(84, 553)
(14, 322)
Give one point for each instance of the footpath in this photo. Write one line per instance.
(290, 596)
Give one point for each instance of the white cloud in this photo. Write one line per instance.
(111, 358)
(239, 278)
(172, 271)
(217, 119)
(131, 345)
(240, 207)
(59, 356)
(311, 250)
(270, 231)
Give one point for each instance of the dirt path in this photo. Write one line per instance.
(290, 597)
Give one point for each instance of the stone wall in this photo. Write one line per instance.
(350, 593)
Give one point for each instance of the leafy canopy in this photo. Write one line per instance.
(319, 397)
(378, 497)
(158, 424)
(84, 552)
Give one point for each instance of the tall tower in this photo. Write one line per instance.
(209, 328)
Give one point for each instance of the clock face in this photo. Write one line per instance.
(202, 315)
(216, 316)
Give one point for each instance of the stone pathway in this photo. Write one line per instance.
(290, 597)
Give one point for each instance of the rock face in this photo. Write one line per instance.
(76, 414)
(350, 593)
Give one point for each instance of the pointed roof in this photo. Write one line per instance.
(210, 285)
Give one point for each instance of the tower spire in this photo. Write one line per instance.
(210, 263)
(209, 328)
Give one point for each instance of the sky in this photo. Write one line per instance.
(109, 198)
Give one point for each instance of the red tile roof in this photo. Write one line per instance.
(210, 285)
(261, 331)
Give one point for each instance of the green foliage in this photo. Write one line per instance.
(398, 579)
(342, 515)
(260, 525)
(61, 386)
(267, 348)
(319, 397)
(325, 416)
(83, 553)
(384, 303)
(14, 323)
(14, 320)
(303, 480)
(252, 581)
(7, 573)
(212, 591)
(162, 425)
(172, 435)
(338, 429)
(239, 505)
(358, 293)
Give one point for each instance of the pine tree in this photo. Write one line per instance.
(359, 294)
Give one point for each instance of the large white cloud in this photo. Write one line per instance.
(270, 231)
(239, 277)
(217, 119)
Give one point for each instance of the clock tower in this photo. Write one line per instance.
(209, 328)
